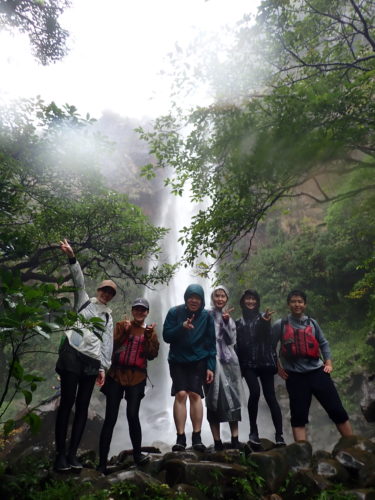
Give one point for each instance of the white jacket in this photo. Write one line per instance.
(89, 343)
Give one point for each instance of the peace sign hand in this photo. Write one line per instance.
(66, 248)
(188, 324)
(268, 314)
(226, 314)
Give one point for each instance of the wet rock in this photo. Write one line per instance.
(21, 441)
(332, 470)
(134, 476)
(346, 442)
(272, 467)
(297, 455)
(207, 474)
(367, 403)
(305, 484)
(190, 491)
(360, 463)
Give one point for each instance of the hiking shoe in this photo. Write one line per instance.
(61, 464)
(196, 442)
(74, 463)
(102, 468)
(218, 445)
(235, 444)
(254, 438)
(279, 440)
(180, 443)
(141, 459)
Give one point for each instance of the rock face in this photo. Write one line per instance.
(368, 398)
(293, 472)
(22, 440)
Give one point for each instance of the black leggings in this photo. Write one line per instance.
(74, 389)
(133, 395)
(266, 377)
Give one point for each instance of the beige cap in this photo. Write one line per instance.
(109, 283)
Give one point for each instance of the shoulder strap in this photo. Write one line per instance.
(284, 321)
(83, 306)
(313, 322)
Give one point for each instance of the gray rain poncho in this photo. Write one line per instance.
(224, 396)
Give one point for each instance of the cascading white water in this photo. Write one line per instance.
(156, 408)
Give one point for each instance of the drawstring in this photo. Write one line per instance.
(152, 385)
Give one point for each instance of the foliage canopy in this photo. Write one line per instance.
(293, 105)
(52, 190)
(39, 20)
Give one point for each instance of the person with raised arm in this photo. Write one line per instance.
(190, 332)
(83, 359)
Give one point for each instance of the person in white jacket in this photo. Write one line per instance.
(83, 359)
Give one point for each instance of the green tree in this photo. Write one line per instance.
(293, 108)
(27, 314)
(39, 20)
(52, 189)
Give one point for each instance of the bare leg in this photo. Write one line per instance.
(215, 429)
(179, 411)
(233, 428)
(345, 429)
(196, 411)
(299, 433)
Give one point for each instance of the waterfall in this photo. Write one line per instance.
(156, 413)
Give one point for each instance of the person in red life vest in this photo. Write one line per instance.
(256, 351)
(83, 359)
(134, 343)
(306, 374)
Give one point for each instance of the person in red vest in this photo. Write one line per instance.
(306, 374)
(134, 343)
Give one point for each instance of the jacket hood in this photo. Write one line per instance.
(198, 290)
(251, 292)
(219, 287)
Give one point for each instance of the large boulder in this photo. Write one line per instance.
(367, 403)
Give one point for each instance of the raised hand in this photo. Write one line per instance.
(66, 248)
(188, 324)
(226, 314)
(268, 314)
(149, 329)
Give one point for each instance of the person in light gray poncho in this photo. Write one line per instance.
(224, 395)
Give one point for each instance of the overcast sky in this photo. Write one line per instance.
(118, 48)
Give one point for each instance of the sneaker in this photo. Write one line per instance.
(218, 445)
(235, 444)
(61, 464)
(180, 443)
(254, 438)
(196, 442)
(74, 463)
(141, 459)
(102, 468)
(279, 440)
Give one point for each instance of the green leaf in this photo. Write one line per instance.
(28, 396)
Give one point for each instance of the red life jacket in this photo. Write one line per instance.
(298, 342)
(132, 353)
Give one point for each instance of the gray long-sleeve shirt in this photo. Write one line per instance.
(89, 343)
(302, 365)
